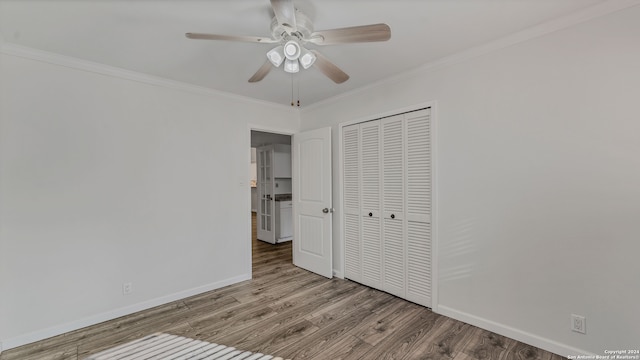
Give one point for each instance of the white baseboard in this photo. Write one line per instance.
(338, 274)
(112, 314)
(517, 334)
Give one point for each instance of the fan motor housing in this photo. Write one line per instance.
(303, 24)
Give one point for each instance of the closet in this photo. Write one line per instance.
(387, 204)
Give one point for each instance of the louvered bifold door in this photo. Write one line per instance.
(393, 241)
(370, 204)
(418, 206)
(351, 202)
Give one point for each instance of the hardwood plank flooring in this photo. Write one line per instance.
(290, 312)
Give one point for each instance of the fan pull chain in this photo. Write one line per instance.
(293, 103)
(298, 91)
(292, 90)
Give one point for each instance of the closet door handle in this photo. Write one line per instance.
(393, 216)
(370, 214)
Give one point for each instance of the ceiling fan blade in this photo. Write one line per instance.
(262, 72)
(329, 69)
(255, 39)
(285, 13)
(355, 34)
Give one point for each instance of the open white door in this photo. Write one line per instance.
(312, 211)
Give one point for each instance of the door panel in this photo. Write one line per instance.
(311, 227)
(418, 185)
(351, 202)
(353, 255)
(393, 165)
(419, 262)
(419, 166)
(266, 208)
(371, 252)
(370, 167)
(311, 167)
(372, 265)
(394, 248)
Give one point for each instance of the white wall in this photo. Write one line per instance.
(539, 182)
(105, 180)
(283, 186)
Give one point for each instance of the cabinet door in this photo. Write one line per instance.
(372, 266)
(351, 202)
(282, 161)
(285, 221)
(418, 205)
(393, 239)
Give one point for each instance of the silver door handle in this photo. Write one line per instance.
(327, 210)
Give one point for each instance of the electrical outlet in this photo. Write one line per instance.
(578, 324)
(127, 288)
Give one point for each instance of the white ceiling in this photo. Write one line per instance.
(147, 36)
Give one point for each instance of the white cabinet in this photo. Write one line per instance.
(387, 204)
(284, 221)
(281, 161)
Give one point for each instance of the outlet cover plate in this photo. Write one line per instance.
(127, 288)
(578, 324)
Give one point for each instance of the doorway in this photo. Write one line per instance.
(271, 195)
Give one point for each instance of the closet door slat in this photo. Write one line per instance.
(351, 181)
(393, 240)
(418, 188)
(372, 266)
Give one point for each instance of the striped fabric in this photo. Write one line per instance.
(161, 346)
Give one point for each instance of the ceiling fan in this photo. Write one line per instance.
(292, 30)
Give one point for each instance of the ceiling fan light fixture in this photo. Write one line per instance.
(292, 50)
(307, 58)
(291, 66)
(276, 55)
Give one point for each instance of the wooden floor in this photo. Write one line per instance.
(289, 312)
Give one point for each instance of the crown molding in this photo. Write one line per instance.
(12, 49)
(564, 22)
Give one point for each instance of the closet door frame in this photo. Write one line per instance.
(339, 224)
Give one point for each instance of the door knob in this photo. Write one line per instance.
(393, 216)
(325, 210)
(370, 214)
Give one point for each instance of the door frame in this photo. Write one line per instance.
(338, 225)
(262, 128)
